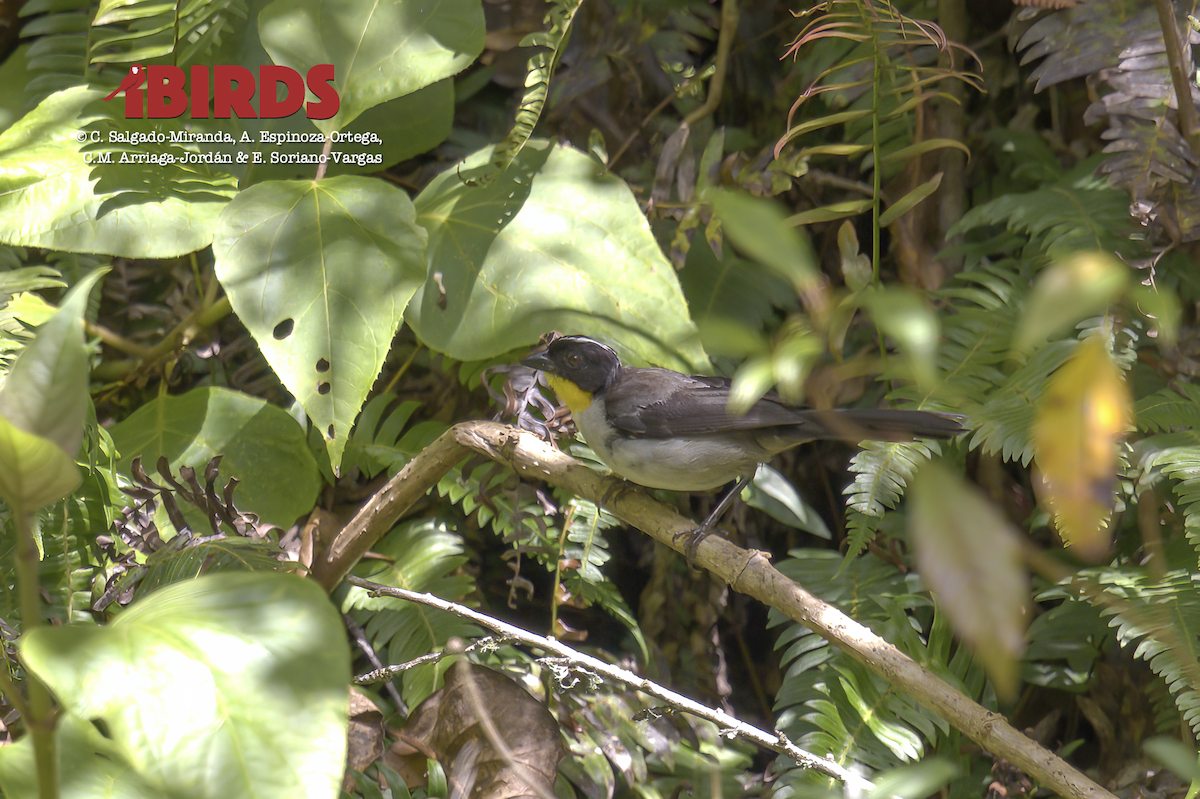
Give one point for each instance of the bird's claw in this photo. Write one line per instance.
(691, 541)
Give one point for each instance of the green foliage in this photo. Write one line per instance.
(44, 166)
(1160, 620)
(379, 52)
(881, 472)
(1177, 456)
(382, 440)
(419, 555)
(608, 278)
(1079, 211)
(537, 80)
(875, 84)
(527, 235)
(261, 445)
(320, 273)
(127, 33)
(834, 706)
(227, 685)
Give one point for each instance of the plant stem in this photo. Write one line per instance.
(40, 719)
(1189, 118)
(716, 86)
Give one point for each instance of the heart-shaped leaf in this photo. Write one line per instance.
(320, 272)
(553, 242)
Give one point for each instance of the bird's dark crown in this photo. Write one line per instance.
(584, 361)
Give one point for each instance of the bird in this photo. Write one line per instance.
(134, 78)
(663, 429)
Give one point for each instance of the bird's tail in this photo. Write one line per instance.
(864, 425)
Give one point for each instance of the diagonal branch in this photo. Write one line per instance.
(746, 571)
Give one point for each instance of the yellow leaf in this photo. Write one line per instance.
(1085, 409)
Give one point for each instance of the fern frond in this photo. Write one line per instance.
(1078, 212)
(57, 58)
(1160, 619)
(585, 543)
(1177, 407)
(127, 32)
(881, 472)
(875, 89)
(537, 81)
(833, 705)
(419, 555)
(1082, 40)
(1177, 456)
(1122, 46)
(1004, 422)
(383, 441)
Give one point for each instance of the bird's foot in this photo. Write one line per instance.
(691, 541)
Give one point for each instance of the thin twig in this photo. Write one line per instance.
(775, 741)
(384, 673)
(360, 638)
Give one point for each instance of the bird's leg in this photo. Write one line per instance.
(698, 534)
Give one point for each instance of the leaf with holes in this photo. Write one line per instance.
(320, 273)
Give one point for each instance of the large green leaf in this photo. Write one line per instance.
(49, 197)
(554, 242)
(262, 445)
(34, 471)
(95, 772)
(380, 51)
(43, 402)
(46, 391)
(227, 685)
(320, 273)
(406, 126)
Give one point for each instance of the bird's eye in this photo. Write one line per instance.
(574, 359)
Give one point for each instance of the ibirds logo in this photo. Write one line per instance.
(162, 91)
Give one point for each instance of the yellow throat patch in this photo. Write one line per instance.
(569, 394)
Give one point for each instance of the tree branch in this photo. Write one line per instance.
(749, 572)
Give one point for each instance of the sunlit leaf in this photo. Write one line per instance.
(227, 685)
(320, 273)
(553, 243)
(380, 51)
(34, 471)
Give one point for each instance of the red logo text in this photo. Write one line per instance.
(162, 91)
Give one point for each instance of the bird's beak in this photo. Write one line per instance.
(538, 360)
